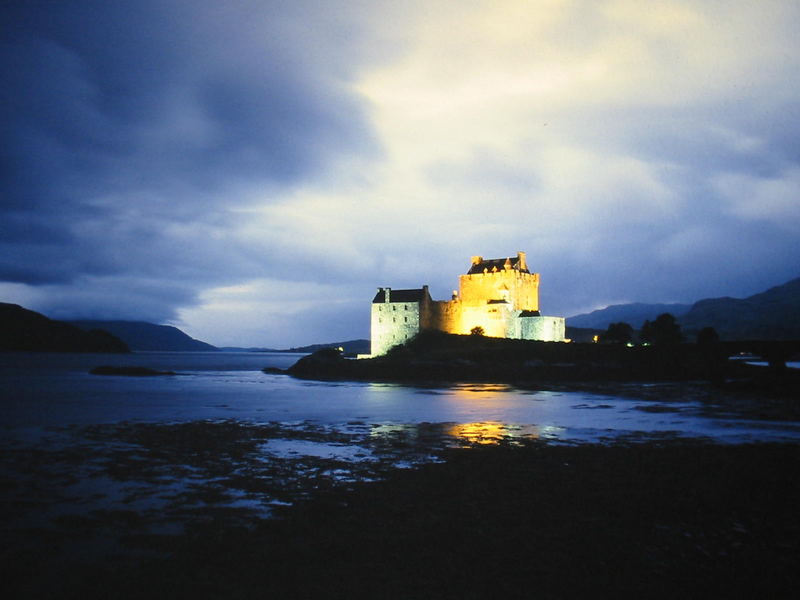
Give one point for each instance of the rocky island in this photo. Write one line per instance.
(438, 357)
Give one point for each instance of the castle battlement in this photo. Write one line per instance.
(499, 295)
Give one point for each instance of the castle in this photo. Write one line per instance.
(498, 295)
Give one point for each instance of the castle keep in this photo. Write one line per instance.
(499, 295)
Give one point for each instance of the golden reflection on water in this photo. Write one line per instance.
(487, 432)
(479, 432)
(478, 391)
(481, 395)
(492, 432)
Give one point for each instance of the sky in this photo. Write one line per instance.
(251, 172)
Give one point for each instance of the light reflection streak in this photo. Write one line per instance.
(492, 432)
(479, 391)
(477, 432)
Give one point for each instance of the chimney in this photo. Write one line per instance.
(387, 294)
(521, 264)
(476, 260)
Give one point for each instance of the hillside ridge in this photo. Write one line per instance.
(144, 336)
(24, 330)
(771, 314)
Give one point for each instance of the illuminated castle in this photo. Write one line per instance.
(498, 295)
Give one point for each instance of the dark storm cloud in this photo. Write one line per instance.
(124, 121)
(231, 163)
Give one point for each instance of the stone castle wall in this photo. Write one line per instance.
(551, 329)
(393, 323)
(520, 290)
(443, 315)
(497, 300)
(492, 318)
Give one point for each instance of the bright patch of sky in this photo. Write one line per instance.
(252, 171)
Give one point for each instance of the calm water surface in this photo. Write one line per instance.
(93, 460)
(38, 391)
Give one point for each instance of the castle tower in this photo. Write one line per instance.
(498, 295)
(500, 280)
(397, 316)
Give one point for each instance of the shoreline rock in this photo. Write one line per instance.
(674, 518)
(444, 358)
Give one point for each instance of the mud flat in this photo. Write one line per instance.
(646, 516)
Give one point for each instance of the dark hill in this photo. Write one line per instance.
(634, 314)
(436, 356)
(582, 335)
(23, 330)
(770, 315)
(349, 347)
(140, 335)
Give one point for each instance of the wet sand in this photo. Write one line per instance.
(647, 516)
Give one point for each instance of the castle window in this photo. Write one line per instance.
(394, 308)
(405, 319)
(394, 319)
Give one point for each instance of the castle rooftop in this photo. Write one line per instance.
(482, 265)
(390, 295)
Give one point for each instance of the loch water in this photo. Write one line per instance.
(42, 391)
(95, 461)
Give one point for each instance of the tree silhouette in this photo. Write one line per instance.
(620, 333)
(707, 336)
(663, 331)
(478, 330)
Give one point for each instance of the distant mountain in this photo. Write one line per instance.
(140, 335)
(634, 314)
(349, 347)
(248, 349)
(770, 315)
(23, 330)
